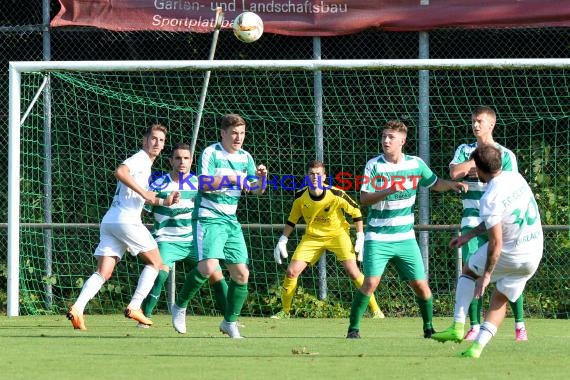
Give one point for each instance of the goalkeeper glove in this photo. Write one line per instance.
(281, 249)
(359, 246)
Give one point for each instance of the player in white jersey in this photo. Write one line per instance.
(225, 170)
(393, 180)
(122, 230)
(172, 231)
(463, 168)
(511, 257)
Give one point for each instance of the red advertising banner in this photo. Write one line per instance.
(314, 17)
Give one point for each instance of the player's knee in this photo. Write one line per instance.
(469, 275)
(369, 285)
(152, 258)
(293, 273)
(156, 264)
(239, 273)
(466, 271)
(215, 277)
(295, 268)
(240, 278)
(105, 275)
(353, 272)
(421, 289)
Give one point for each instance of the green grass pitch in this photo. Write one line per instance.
(46, 347)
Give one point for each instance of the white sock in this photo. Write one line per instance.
(519, 325)
(488, 331)
(475, 328)
(463, 297)
(145, 284)
(90, 288)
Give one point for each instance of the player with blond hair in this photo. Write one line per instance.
(511, 220)
(462, 167)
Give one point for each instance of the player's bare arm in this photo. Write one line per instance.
(460, 241)
(493, 254)
(287, 230)
(123, 174)
(495, 247)
(367, 199)
(462, 170)
(442, 185)
(214, 183)
(172, 198)
(259, 186)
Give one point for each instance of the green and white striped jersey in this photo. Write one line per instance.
(216, 161)
(392, 219)
(471, 199)
(174, 223)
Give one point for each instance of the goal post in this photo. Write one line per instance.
(13, 193)
(100, 109)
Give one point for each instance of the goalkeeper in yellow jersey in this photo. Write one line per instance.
(323, 207)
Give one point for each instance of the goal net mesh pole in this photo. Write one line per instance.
(99, 111)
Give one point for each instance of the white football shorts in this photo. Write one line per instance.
(510, 278)
(116, 238)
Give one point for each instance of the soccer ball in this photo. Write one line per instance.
(248, 27)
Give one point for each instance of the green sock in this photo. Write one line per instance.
(221, 294)
(426, 309)
(480, 310)
(237, 293)
(357, 309)
(475, 311)
(151, 299)
(192, 284)
(518, 309)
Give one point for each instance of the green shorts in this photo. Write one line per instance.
(172, 252)
(405, 255)
(221, 239)
(472, 245)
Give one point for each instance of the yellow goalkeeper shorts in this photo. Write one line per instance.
(311, 248)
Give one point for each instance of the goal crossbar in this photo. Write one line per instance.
(307, 65)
